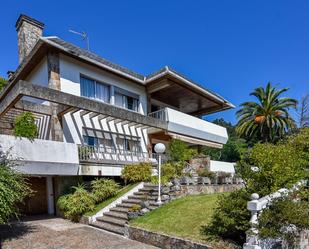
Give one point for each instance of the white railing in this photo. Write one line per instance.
(97, 154)
(256, 206)
(160, 114)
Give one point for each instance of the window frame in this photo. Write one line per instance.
(95, 88)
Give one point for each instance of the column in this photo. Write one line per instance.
(50, 195)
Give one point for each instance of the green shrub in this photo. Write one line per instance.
(103, 189)
(169, 170)
(155, 180)
(179, 151)
(231, 218)
(137, 172)
(206, 173)
(283, 213)
(24, 126)
(135, 208)
(278, 166)
(75, 205)
(13, 190)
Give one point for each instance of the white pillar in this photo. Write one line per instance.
(50, 195)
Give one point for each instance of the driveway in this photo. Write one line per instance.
(57, 233)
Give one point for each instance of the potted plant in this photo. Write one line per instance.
(186, 179)
(237, 180)
(225, 178)
(205, 176)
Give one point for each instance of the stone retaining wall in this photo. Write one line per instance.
(161, 240)
(206, 189)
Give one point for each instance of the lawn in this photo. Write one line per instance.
(182, 217)
(103, 204)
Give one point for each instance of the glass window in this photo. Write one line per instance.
(91, 141)
(87, 88)
(126, 102)
(94, 90)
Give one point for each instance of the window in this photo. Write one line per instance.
(93, 89)
(92, 141)
(127, 102)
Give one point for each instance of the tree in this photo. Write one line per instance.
(13, 189)
(3, 82)
(303, 111)
(267, 119)
(180, 151)
(232, 150)
(24, 126)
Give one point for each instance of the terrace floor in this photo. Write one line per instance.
(57, 233)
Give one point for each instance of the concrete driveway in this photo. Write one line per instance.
(57, 233)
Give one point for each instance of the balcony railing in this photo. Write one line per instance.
(186, 125)
(97, 154)
(160, 114)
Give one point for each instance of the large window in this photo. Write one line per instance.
(93, 89)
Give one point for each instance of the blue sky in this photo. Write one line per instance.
(230, 47)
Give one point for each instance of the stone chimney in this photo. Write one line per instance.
(29, 32)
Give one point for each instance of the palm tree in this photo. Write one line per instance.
(267, 119)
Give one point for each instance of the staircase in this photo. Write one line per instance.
(115, 219)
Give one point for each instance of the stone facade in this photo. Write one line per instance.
(29, 32)
(161, 240)
(53, 68)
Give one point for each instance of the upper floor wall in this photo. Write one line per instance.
(72, 70)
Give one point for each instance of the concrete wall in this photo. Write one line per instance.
(39, 74)
(41, 157)
(181, 123)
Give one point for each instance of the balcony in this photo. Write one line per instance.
(41, 157)
(189, 128)
(100, 155)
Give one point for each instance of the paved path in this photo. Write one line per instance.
(57, 233)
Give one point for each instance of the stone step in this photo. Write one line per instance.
(114, 221)
(117, 215)
(120, 209)
(132, 201)
(125, 205)
(151, 185)
(108, 227)
(138, 197)
(144, 198)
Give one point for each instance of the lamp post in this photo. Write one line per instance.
(159, 149)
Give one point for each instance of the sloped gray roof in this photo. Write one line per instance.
(83, 52)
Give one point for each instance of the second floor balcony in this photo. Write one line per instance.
(189, 128)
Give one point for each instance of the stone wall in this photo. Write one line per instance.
(206, 189)
(161, 240)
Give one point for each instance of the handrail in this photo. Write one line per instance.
(256, 206)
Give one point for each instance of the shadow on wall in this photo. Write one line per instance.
(115, 129)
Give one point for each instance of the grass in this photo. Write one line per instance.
(182, 217)
(103, 204)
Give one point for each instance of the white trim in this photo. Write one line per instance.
(117, 201)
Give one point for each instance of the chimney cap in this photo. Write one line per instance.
(28, 19)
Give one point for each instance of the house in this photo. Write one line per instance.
(94, 116)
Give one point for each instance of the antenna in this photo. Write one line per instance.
(84, 36)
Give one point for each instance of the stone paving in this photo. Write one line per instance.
(57, 233)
